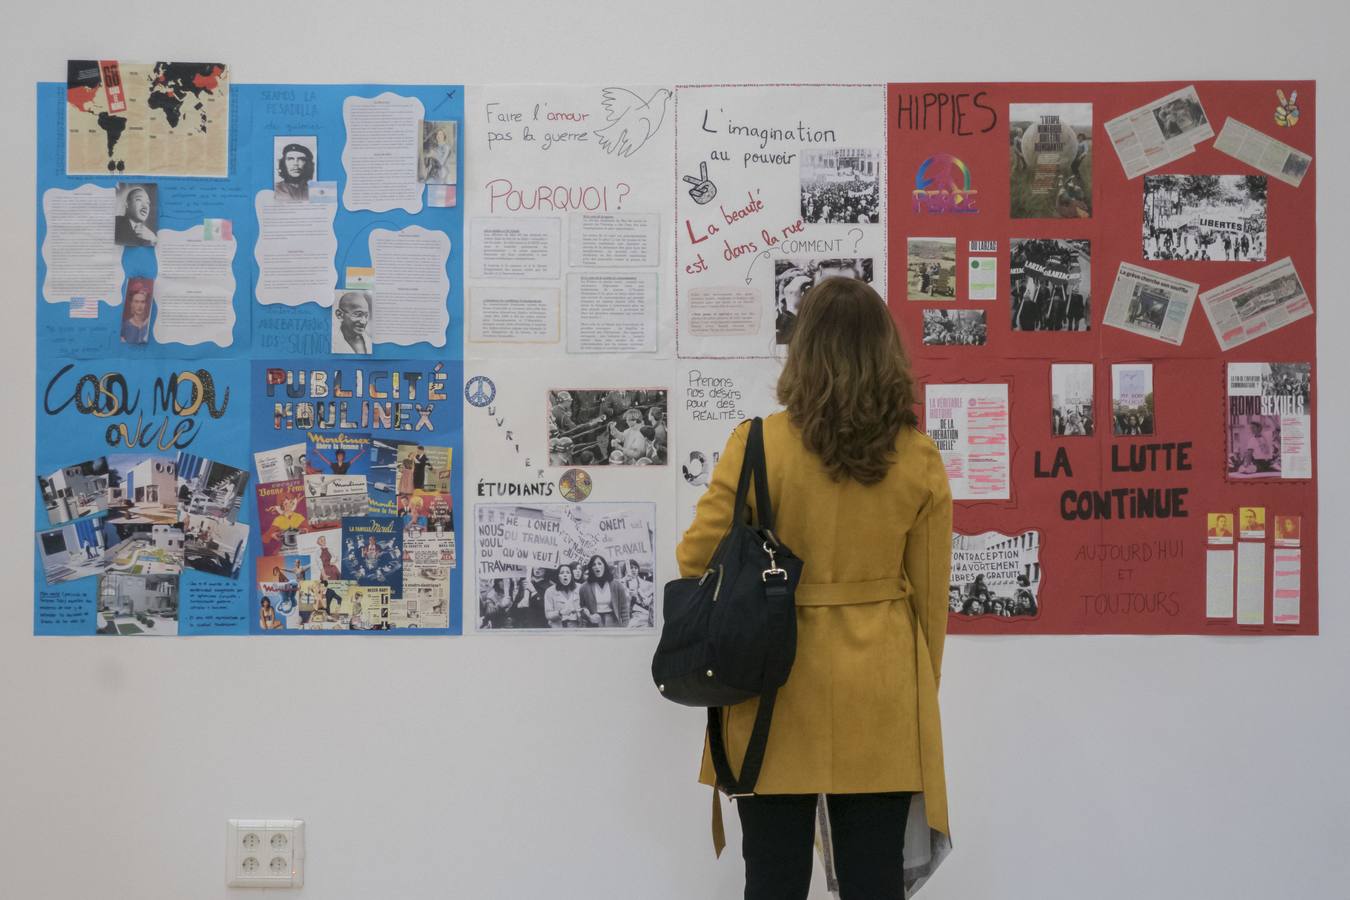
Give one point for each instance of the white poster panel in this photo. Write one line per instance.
(568, 208)
(780, 187)
(568, 442)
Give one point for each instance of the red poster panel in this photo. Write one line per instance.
(1109, 294)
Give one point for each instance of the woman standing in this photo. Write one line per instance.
(330, 570)
(862, 497)
(405, 486)
(562, 601)
(604, 601)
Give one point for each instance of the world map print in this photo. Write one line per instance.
(163, 118)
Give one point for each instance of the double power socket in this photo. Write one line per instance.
(268, 853)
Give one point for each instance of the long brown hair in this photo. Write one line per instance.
(846, 384)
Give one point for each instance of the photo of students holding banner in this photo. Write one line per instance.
(559, 566)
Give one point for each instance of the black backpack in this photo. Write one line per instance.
(730, 634)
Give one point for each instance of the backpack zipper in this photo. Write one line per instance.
(717, 588)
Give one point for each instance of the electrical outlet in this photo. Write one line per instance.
(268, 853)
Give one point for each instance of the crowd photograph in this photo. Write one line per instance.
(955, 327)
(617, 427)
(977, 598)
(841, 185)
(1219, 218)
(589, 593)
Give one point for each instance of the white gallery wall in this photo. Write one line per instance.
(533, 767)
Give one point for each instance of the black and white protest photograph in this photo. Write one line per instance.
(794, 277)
(566, 566)
(297, 159)
(1219, 218)
(955, 327)
(438, 153)
(616, 427)
(1051, 284)
(353, 322)
(1071, 407)
(995, 574)
(137, 222)
(841, 185)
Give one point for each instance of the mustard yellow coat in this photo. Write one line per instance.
(859, 712)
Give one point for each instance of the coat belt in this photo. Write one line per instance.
(842, 593)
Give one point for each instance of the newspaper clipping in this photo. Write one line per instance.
(1276, 158)
(1269, 420)
(1160, 132)
(1151, 304)
(1255, 304)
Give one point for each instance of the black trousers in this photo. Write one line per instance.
(868, 833)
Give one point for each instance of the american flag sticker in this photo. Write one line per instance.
(84, 307)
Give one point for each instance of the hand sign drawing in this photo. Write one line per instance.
(1286, 114)
(703, 190)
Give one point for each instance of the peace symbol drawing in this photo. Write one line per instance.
(479, 391)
